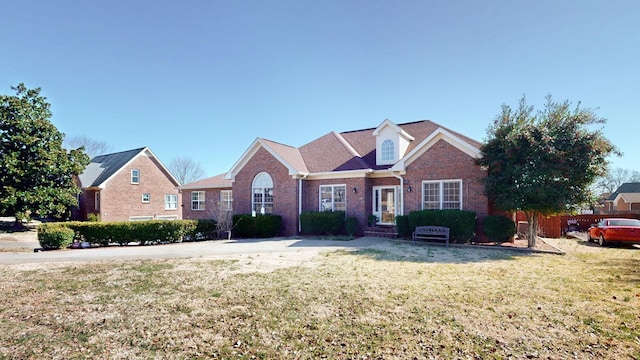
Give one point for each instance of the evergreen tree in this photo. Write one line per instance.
(37, 175)
(543, 163)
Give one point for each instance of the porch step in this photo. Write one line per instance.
(381, 231)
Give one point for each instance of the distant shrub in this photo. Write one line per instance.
(54, 236)
(499, 228)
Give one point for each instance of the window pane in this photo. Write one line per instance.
(451, 195)
(387, 150)
(325, 198)
(171, 202)
(431, 194)
(339, 198)
(226, 200)
(197, 200)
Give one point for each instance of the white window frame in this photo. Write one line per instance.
(199, 202)
(262, 194)
(387, 150)
(226, 200)
(171, 202)
(332, 202)
(441, 195)
(146, 198)
(140, 218)
(135, 176)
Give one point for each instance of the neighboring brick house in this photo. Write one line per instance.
(204, 199)
(387, 171)
(129, 185)
(626, 199)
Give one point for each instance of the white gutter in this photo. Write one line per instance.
(302, 177)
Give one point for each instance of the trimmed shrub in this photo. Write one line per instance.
(322, 222)
(55, 236)
(125, 232)
(261, 226)
(499, 228)
(203, 230)
(461, 223)
(351, 225)
(402, 225)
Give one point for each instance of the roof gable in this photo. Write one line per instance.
(630, 187)
(439, 134)
(287, 155)
(104, 167)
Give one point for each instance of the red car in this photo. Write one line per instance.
(615, 230)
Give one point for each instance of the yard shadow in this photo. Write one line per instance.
(614, 245)
(435, 253)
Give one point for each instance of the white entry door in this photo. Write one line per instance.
(385, 204)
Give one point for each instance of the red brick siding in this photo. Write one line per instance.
(211, 204)
(120, 199)
(356, 202)
(444, 161)
(285, 189)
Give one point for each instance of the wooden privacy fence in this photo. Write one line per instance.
(558, 225)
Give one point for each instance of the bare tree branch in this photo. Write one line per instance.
(92, 147)
(186, 170)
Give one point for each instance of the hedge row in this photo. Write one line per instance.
(322, 222)
(261, 226)
(461, 223)
(55, 235)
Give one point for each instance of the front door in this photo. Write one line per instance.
(385, 204)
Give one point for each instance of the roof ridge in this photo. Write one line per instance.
(121, 152)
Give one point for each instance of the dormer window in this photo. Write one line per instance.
(392, 143)
(387, 152)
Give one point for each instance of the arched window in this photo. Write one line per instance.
(262, 190)
(387, 151)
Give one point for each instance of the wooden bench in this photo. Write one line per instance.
(438, 233)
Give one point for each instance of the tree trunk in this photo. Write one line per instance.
(532, 233)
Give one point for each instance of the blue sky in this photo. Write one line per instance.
(203, 79)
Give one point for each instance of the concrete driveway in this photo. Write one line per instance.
(187, 250)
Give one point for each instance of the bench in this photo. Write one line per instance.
(439, 233)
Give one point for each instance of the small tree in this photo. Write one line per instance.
(543, 163)
(36, 172)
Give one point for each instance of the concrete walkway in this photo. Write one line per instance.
(187, 250)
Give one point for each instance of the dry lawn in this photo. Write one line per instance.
(395, 301)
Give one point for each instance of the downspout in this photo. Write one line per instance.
(300, 201)
(401, 192)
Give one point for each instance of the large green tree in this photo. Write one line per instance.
(37, 175)
(543, 162)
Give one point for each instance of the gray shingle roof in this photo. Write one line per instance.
(626, 188)
(102, 167)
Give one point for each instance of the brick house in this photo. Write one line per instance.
(127, 186)
(387, 171)
(626, 199)
(204, 199)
